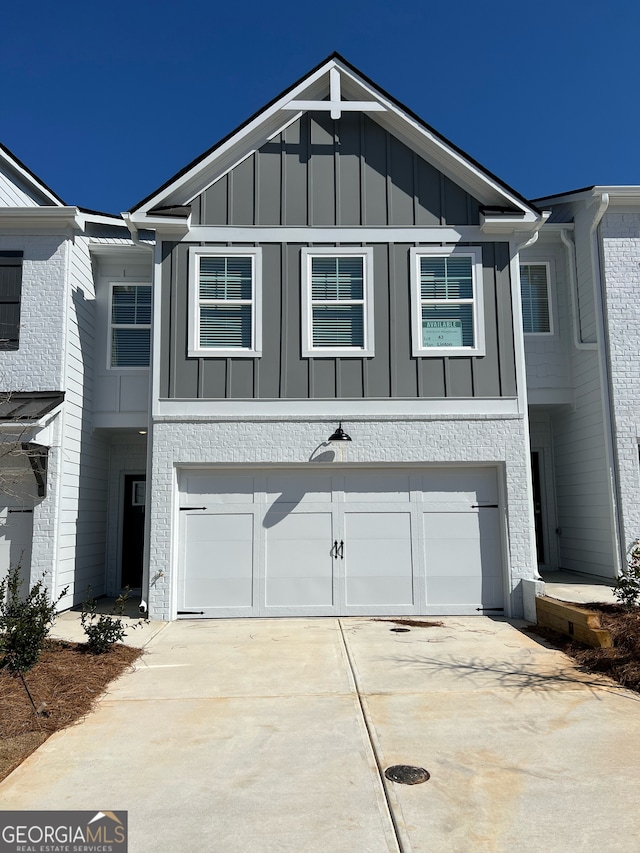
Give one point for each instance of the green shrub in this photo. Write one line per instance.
(104, 629)
(627, 588)
(24, 621)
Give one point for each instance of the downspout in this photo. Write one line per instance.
(144, 591)
(578, 343)
(605, 378)
(521, 373)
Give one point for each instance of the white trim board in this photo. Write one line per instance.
(334, 409)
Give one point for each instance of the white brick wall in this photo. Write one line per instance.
(621, 261)
(293, 441)
(37, 364)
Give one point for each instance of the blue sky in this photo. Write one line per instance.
(105, 102)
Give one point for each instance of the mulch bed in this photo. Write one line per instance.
(622, 662)
(64, 684)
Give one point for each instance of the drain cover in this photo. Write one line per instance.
(400, 630)
(405, 774)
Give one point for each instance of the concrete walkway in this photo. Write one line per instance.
(271, 736)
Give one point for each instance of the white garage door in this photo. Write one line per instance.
(300, 542)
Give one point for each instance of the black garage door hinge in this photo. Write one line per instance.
(20, 510)
(185, 508)
(497, 609)
(484, 506)
(190, 612)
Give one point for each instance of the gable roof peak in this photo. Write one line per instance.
(335, 86)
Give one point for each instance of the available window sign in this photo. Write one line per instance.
(442, 333)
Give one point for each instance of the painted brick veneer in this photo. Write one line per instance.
(37, 364)
(621, 261)
(292, 442)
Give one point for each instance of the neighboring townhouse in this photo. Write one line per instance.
(584, 377)
(69, 414)
(335, 261)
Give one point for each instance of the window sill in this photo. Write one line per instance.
(224, 353)
(325, 352)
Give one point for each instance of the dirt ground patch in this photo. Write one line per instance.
(622, 662)
(64, 685)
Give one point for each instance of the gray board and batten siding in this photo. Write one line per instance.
(281, 372)
(346, 173)
(321, 172)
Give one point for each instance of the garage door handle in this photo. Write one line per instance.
(334, 550)
(341, 549)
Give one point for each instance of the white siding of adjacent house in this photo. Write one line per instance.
(583, 482)
(84, 464)
(548, 356)
(122, 396)
(15, 193)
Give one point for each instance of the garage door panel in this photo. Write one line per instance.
(219, 488)
(379, 591)
(300, 592)
(296, 488)
(376, 488)
(460, 485)
(299, 561)
(218, 561)
(209, 592)
(378, 558)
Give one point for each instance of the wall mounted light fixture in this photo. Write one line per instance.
(340, 434)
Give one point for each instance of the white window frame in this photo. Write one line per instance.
(307, 255)
(193, 343)
(475, 253)
(112, 325)
(547, 264)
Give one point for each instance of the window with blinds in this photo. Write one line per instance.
(447, 301)
(534, 290)
(337, 303)
(225, 302)
(10, 297)
(130, 325)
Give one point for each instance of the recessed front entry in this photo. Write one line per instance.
(358, 542)
(133, 530)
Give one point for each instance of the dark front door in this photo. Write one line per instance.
(537, 504)
(133, 530)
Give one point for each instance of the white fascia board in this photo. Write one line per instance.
(617, 194)
(29, 179)
(209, 410)
(170, 227)
(628, 196)
(111, 249)
(19, 218)
(102, 219)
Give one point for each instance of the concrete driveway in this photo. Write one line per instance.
(257, 736)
